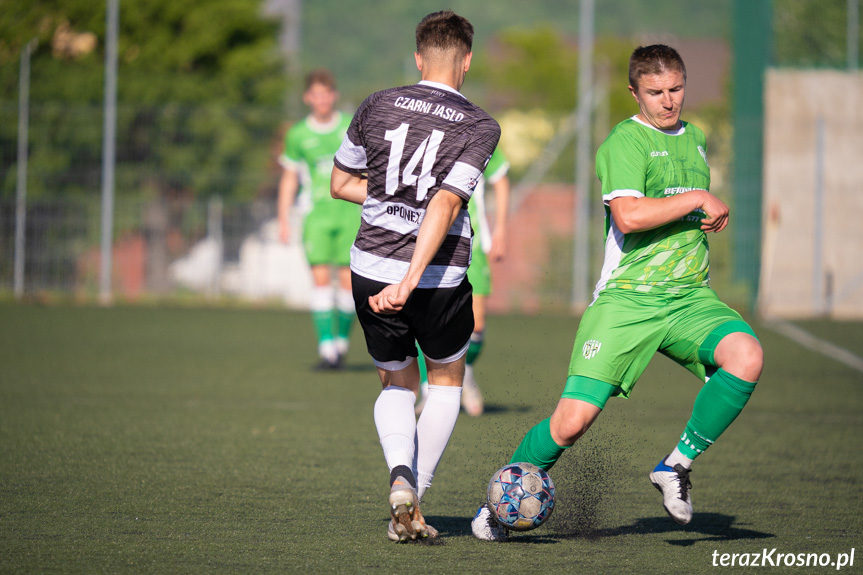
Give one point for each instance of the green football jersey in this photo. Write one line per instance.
(310, 149)
(639, 160)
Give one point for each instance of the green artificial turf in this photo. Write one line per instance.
(183, 440)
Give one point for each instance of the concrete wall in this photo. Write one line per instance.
(811, 265)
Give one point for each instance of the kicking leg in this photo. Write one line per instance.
(546, 441)
(542, 446)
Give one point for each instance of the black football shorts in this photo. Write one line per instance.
(440, 320)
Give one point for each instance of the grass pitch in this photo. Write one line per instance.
(200, 441)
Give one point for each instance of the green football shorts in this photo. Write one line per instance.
(620, 332)
(479, 272)
(329, 231)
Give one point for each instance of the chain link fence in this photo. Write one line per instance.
(198, 249)
(195, 215)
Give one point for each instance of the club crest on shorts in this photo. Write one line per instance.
(591, 348)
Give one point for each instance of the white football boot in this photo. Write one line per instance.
(675, 486)
(485, 527)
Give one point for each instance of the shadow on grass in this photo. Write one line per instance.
(344, 368)
(704, 527)
(498, 408)
(449, 526)
(358, 367)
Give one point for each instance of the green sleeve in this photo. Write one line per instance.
(497, 166)
(293, 150)
(621, 163)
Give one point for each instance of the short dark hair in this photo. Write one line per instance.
(654, 59)
(444, 30)
(321, 76)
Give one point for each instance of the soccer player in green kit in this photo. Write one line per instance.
(330, 226)
(653, 293)
(489, 245)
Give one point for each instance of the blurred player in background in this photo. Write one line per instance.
(330, 226)
(423, 147)
(653, 293)
(489, 244)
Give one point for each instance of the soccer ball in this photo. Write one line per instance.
(521, 496)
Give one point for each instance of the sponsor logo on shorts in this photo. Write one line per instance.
(591, 348)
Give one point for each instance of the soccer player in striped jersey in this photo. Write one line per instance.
(653, 294)
(412, 157)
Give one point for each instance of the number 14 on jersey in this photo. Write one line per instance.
(426, 151)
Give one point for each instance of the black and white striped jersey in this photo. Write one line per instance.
(411, 142)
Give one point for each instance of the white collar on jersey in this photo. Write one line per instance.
(675, 132)
(324, 127)
(439, 86)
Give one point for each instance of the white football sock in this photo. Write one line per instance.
(345, 301)
(322, 298)
(677, 456)
(397, 426)
(434, 429)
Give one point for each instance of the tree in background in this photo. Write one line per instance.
(811, 34)
(200, 93)
(529, 82)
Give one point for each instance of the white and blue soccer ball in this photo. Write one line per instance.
(521, 496)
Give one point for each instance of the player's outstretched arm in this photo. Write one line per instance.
(633, 214)
(441, 213)
(347, 186)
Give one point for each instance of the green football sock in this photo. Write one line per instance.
(474, 347)
(323, 321)
(421, 360)
(345, 321)
(538, 447)
(717, 405)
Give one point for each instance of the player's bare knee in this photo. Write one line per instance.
(743, 357)
(569, 430)
(571, 420)
(752, 360)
